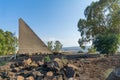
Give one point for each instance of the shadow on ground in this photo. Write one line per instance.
(112, 76)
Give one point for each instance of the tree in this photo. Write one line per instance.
(92, 50)
(57, 46)
(2, 41)
(107, 44)
(7, 42)
(101, 17)
(50, 45)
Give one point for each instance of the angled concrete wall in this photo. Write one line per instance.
(29, 42)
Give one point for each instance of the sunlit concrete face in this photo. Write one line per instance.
(29, 42)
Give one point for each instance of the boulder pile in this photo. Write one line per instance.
(57, 69)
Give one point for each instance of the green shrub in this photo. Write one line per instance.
(2, 63)
(47, 59)
(107, 43)
(92, 50)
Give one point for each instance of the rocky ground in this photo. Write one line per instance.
(60, 67)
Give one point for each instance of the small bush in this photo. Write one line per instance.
(47, 59)
(2, 63)
(92, 50)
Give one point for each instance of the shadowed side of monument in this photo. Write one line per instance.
(29, 42)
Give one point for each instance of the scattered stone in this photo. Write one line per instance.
(73, 66)
(59, 62)
(38, 68)
(30, 78)
(21, 67)
(53, 66)
(20, 63)
(4, 74)
(71, 79)
(26, 73)
(58, 77)
(1, 78)
(40, 63)
(27, 62)
(11, 75)
(20, 78)
(28, 68)
(17, 64)
(47, 78)
(33, 64)
(50, 73)
(69, 72)
(37, 73)
(5, 67)
(39, 78)
(15, 70)
(12, 66)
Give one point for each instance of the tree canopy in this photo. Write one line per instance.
(7, 42)
(50, 45)
(56, 47)
(101, 17)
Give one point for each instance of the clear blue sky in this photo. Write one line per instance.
(49, 19)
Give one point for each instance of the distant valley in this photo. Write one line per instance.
(74, 49)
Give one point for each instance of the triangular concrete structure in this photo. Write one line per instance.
(29, 42)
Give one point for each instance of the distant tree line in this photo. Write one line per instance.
(101, 25)
(7, 42)
(56, 46)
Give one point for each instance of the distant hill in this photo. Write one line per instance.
(74, 49)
